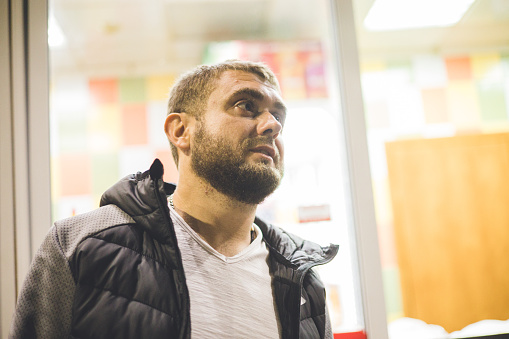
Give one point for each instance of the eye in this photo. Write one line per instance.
(247, 106)
(279, 118)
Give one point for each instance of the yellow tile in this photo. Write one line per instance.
(495, 127)
(158, 86)
(372, 66)
(463, 103)
(483, 64)
(104, 128)
(56, 174)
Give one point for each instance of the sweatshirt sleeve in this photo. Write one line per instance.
(44, 306)
(328, 325)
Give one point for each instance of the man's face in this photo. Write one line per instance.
(237, 145)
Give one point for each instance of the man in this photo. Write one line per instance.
(191, 260)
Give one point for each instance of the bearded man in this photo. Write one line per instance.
(192, 260)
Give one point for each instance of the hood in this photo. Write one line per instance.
(299, 252)
(143, 197)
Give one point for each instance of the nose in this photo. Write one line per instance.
(269, 125)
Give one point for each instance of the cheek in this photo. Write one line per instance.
(236, 127)
(280, 146)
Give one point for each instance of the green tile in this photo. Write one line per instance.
(132, 90)
(404, 68)
(504, 60)
(399, 63)
(492, 101)
(104, 171)
(54, 210)
(72, 134)
(392, 290)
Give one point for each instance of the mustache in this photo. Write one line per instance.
(259, 141)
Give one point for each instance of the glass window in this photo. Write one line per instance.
(436, 100)
(112, 64)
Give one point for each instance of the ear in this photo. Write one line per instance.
(178, 128)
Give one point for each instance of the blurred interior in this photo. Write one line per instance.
(436, 104)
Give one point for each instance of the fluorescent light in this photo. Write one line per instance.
(56, 37)
(387, 15)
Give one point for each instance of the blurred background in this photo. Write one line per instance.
(435, 95)
(425, 74)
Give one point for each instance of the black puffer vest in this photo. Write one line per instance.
(131, 283)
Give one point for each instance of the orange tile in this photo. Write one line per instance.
(386, 241)
(458, 68)
(434, 101)
(170, 169)
(103, 90)
(75, 174)
(134, 124)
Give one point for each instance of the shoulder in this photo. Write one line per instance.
(70, 232)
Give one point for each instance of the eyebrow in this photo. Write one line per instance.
(255, 94)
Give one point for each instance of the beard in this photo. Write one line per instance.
(224, 166)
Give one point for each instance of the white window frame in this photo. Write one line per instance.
(359, 175)
(25, 203)
(25, 188)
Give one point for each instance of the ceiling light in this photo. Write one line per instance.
(387, 15)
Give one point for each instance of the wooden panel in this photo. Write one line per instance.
(451, 218)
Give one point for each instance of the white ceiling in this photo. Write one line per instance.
(139, 36)
(485, 27)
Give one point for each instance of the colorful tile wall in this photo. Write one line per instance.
(299, 66)
(392, 292)
(132, 90)
(434, 102)
(170, 169)
(458, 68)
(156, 115)
(105, 168)
(102, 129)
(463, 104)
(158, 87)
(103, 91)
(411, 97)
(429, 71)
(72, 133)
(378, 114)
(492, 101)
(427, 95)
(486, 66)
(135, 158)
(75, 174)
(134, 124)
(106, 128)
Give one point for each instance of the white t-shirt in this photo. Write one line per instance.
(231, 297)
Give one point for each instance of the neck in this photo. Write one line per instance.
(224, 223)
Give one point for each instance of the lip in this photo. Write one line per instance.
(266, 150)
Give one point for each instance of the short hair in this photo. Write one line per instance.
(191, 91)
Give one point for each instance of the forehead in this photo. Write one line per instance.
(231, 81)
